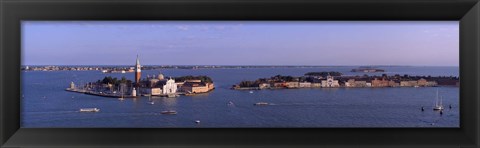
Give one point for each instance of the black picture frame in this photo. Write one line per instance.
(12, 12)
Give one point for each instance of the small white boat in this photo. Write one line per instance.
(251, 92)
(261, 103)
(438, 105)
(197, 121)
(169, 112)
(89, 110)
(150, 100)
(230, 103)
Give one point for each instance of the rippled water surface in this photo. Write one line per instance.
(315, 107)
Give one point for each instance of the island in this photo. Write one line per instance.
(367, 69)
(150, 86)
(327, 80)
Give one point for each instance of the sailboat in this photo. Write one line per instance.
(150, 100)
(121, 91)
(438, 104)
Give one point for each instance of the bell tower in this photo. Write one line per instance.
(138, 72)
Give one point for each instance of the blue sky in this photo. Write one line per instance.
(415, 43)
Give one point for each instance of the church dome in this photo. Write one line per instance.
(160, 77)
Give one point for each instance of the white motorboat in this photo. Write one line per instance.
(261, 103)
(89, 110)
(169, 112)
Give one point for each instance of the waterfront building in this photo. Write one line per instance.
(279, 84)
(361, 84)
(368, 84)
(170, 87)
(292, 84)
(72, 85)
(152, 91)
(304, 84)
(330, 82)
(392, 83)
(405, 83)
(138, 72)
(422, 82)
(380, 83)
(197, 87)
(431, 83)
(350, 83)
(413, 83)
(316, 85)
(410, 83)
(263, 85)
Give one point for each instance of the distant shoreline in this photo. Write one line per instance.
(128, 68)
(250, 65)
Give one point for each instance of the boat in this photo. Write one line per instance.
(121, 99)
(197, 121)
(261, 103)
(169, 112)
(89, 110)
(122, 92)
(150, 100)
(230, 103)
(438, 103)
(251, 92)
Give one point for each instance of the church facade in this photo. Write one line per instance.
(170, 87)
(330, 82)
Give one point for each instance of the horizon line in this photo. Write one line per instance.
(246, 65)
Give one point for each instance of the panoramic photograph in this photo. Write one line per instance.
(240, 74)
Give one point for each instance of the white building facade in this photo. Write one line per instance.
(170, 87)
(330, 82)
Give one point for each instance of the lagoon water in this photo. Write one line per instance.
(315, 107)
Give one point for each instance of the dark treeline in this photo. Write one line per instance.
(205, 79)
(114, 81)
